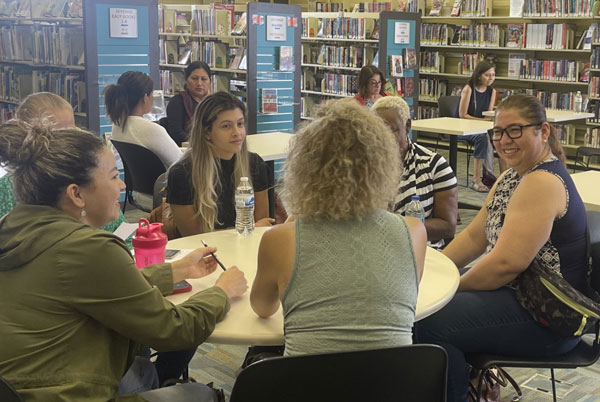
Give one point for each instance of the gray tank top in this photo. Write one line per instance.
(353, 286)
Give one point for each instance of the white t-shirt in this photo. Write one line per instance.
(149, 135)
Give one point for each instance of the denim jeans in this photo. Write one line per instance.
(486, 321)
(480, 143)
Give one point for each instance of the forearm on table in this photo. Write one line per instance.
(438, 228)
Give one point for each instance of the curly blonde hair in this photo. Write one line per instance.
(345, 164)
(395, 103)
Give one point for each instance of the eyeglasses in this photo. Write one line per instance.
(374, 83)
(513, 132)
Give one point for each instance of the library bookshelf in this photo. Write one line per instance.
(42, 54)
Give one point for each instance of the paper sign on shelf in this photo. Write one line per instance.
(402, 32)
(276, 28)
(123, 22)
(258, 19)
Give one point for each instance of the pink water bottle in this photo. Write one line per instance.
(149, 244)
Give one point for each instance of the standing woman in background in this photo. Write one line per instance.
(476, 97)
(126, 103)
(370, 85)
(201, 186)
(181, 108)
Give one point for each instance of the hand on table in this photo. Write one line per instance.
(233, 282)
(265, 222)
(197, 264)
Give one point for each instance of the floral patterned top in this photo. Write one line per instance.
(8, 202)
(565, 250)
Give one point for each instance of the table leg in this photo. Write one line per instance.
(453, 153)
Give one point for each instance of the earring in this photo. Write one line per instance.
(83, 213)
(545, 140)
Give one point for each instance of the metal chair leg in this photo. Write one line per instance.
(553, 385)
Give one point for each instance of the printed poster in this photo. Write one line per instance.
(123, 23)
(276, 28)
(402, 33)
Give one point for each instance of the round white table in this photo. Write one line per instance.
(242, 326)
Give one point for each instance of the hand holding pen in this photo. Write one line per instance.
(214, 256)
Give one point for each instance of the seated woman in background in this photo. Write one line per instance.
(54, 110)
(532, 212)
(476, 97)
(346, 270)
(76, 307)
(425, 173)
(126, 103)
(370, 85)
(181, 108)
(201, 186)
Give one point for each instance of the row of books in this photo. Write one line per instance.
(594, 107)
(340, 28)
(45, 44)
(565, 133)
(594, 89)
(16, 82)
(595, 58)
(7, 112)
(171, 82)
(41, 8)
(214, 19)
(427, 112)
(549, 70)
(328, 7)
(592, 137)
(558, 8)
(432, 62)
(547, 36)
(557, 100)
(374, 7)
(337, 56)
(469, 61)
(340, 84)
(468, 8)
(432, 88)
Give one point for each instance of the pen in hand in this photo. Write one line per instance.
(214, 256)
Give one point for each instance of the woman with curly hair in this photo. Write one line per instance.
(346, 270)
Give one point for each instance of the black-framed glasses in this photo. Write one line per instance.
(375, 83)
(513, 131)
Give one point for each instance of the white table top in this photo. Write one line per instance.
(555, 116)
(452, 126)
(587, 184)
(243, 327)
(270, 146)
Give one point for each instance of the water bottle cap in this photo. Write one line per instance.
(414, 198)
(244, 179)
(149, 235)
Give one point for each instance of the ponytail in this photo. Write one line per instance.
(122, 98)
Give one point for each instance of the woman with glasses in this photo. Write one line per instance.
(425, 173)
(532, 212)
(370, 86)
(476, 97)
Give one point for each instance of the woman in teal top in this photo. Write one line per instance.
(59, 112)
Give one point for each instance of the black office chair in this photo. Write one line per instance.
(448, 107)
(582, 153)
(8, 393)
(585, 353)
(142, 168)
(160, 190)
(415, 373)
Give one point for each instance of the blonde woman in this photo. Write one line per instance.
(201, 186)
(345, 270)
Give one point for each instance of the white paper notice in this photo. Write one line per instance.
(402, 32)
(123, 23)
(276, 28)
(125, 230)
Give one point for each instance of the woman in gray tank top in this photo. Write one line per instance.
(345, 270)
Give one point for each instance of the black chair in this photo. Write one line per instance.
(415, 373)
(142, 168)
(8, 393)
(582, 153)
(448, 107)
(159, 190)
(585, 353)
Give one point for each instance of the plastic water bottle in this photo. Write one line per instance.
(415, 209)
(577, 102)
(244, 208)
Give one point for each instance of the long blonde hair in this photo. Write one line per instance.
(41, 106)
(206, 169)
